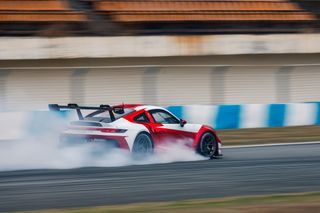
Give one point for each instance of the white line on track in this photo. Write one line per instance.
(159, 65)
(271, 144)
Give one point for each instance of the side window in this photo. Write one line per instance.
(163, 117)
(141, 118)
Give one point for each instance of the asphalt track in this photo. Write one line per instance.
(242, 171)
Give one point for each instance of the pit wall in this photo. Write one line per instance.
(16, 125)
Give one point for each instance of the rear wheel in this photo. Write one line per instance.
(208, 145)
(142, 146)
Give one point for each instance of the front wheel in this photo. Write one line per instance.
(142, 146)
(208, 145)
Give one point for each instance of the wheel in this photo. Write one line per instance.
(208, 145)
(142, 146)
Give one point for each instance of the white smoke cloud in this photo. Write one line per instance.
(41, 149)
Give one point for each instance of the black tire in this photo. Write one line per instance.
(142, 146)
(208, 145)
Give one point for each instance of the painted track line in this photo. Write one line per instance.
(271, 144)
(157, 65)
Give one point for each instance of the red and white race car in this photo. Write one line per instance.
(138, 128)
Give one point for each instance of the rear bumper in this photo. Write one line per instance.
(116, 141)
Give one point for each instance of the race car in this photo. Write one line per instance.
(138, 128)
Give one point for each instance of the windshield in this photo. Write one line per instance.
(105, 116)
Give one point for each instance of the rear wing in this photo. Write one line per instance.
(101, 108)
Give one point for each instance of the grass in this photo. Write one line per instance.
(280, 203)
(270, 135)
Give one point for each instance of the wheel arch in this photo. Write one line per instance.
(203, 130)
(147, 133)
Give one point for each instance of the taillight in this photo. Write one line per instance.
(108, 130)
(113, 130)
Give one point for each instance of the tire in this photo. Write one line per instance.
(142, 146)
(208, 145)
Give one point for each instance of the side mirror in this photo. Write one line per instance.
(182, 122)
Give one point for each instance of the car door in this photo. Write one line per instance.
(167, 128)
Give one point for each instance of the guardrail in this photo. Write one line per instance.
(15, 125)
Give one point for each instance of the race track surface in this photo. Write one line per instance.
(242, 171)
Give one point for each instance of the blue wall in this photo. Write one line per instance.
(251, 115)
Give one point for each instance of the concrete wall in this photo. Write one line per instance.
(156, 46)
(163, 70)
(205, 80)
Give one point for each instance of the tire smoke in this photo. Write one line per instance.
(39, 148)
